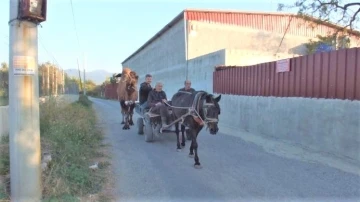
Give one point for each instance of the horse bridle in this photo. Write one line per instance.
(205, 107)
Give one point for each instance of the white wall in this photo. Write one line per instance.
(205, 38)
(162, 58)
(323, 125)
(4, 110)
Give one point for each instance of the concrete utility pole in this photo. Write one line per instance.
(48, 79)
(84, 83)
(25, 151)
(84, 74)
(63, 81)
(56, 81)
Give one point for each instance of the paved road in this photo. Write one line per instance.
(233, 170)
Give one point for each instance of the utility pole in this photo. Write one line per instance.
(81, 88)
(48, 79)
(84, 74)
(43, 87)
(84, 83)
(63, 81)
(56, 80)
(24, 130)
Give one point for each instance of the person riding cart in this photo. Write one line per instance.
(156, 100)
(145, 89)
(187, 88)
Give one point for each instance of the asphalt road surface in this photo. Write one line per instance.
(233, 170)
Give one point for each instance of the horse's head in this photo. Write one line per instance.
(211, 112)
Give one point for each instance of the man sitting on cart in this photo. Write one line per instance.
(156, 100)
(144, 91)
(187, 88)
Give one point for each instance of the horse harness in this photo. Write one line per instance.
(194, 111)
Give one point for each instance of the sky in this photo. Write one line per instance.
(109, 30)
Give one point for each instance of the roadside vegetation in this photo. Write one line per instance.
(69, 133)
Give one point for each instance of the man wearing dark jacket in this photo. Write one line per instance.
(187, 88)
(144, 91)
(157, 99)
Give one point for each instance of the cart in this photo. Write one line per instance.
(150, 125)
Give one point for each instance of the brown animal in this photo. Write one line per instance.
(127, 95)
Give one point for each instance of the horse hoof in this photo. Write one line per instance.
(123, 122)
(183, 145)
(131, 123)
(197, 166)
(191, 155)
(178, 150)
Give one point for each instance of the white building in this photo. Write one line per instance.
(197, 40)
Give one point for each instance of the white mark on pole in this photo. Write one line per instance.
(24, 65)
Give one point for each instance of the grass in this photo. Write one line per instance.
(69, 133)
(4, 168)
(4, 101)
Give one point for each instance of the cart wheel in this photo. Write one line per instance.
(156, 130)
(140, 123)
(187, 133)
(149, 136)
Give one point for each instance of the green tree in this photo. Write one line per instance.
(333, 11)
(4, 80)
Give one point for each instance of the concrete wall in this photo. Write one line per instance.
(162, 58)
(4, 121)
(4, 110)
(205, 38)
(251, 57)
(323, 125)
(200, 70)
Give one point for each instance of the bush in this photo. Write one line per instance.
(84, 100)
(70, 131)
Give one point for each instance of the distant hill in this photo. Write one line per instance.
(98, 76)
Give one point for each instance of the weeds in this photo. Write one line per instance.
(4, 168)
(4, 101)
(69, 134)
(72, 134)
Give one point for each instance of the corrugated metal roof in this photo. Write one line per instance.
(269, 21)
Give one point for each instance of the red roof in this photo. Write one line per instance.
(272, 22)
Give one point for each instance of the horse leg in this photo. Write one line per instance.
(126, 126)
(191, 154)
(126, 117)
(122, 107)
(131, 122)
(183, 135)
(177, 137)
(195, 146)
(123, 118)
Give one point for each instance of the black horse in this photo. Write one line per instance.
(195, 110)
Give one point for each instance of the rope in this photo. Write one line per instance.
(177, 107)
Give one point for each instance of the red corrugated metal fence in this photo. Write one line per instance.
(334, 75)
(110, 91)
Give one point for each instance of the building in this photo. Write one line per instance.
(197, 40)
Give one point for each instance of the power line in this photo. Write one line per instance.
(77, 36)
(48, 52)
(43, 46)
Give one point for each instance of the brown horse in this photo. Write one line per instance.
(127, 95)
